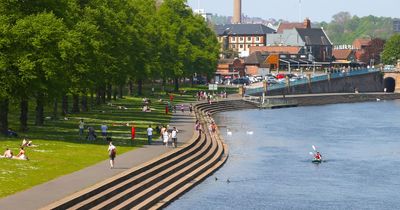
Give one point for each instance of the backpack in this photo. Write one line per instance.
(113, 152)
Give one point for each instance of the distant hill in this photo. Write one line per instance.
(343, 29)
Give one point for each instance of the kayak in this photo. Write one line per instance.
(316, 160)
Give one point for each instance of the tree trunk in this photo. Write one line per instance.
(23, 118)
(98, 95)
(75, 103)
(103, 94)
(64, 105)
(55, 108)
(91, 98)
(130, 88)
(84, 104)
(109, 92)
(115, 93)
(176, 82)
(4, 116)
(140, 87)
(120, 91)
(39, 119)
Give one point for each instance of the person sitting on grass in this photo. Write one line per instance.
(7, 154)
(21, 155)
(11, 133)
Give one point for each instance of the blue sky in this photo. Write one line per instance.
(316, 10)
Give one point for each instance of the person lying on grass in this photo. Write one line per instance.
(26, 143)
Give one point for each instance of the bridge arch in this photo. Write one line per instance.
(389, 83)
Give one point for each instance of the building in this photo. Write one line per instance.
(230, 69)
(344, 57)
(276, 49)
(240, 37)
(313, 41)
(255, 63)
(237, 12)
(396, 25)
(287, 25)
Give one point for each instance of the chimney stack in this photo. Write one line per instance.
(307, 23)
(237, 12)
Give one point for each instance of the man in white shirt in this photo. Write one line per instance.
(149, 134)
(174, 137)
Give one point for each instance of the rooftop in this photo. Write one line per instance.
(243, 29)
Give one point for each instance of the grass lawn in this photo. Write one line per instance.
(60, 151)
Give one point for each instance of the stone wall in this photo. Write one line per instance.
(371, 82)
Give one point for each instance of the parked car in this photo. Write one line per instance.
(241, 81)
(199, 80)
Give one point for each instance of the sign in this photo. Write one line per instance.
(212, 87)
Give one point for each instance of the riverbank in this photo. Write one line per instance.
(335, 98)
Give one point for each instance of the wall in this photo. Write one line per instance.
(372, 82)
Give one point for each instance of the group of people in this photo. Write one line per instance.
(169, 135)
(202, 95)
(8, 153)
(91, 133)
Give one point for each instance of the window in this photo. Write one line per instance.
(249, 39)
(233, 39)
(233, 46)
(248, 46)
(257, 45)
(257, 38)
(241, 46)
(241, 38)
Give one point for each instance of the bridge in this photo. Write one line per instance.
(391, 81)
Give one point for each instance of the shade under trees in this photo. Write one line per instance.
(77, 48)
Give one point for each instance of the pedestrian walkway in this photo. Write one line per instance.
(49, 192)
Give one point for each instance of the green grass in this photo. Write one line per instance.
(60, 151)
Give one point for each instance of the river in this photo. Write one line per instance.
(269, 165)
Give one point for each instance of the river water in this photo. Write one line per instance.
(269, 165)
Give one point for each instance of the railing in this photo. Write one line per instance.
(316, 78)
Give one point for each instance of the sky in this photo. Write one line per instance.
(315, 10)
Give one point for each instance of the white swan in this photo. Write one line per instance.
(249, 132)
(228, 132)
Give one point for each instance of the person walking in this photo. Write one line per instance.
(149, 134)
(81, 128)
(104, 130)
(112, 152)
(174, 137)
(166, 137)
(191, 108)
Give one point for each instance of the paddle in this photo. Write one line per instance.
(313, 147)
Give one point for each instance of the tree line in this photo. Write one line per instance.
(92, 49)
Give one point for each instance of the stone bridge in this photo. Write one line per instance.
(391, 81)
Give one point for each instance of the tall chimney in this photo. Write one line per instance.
(237, 12)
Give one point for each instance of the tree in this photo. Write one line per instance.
(36, 59)
(391, 51)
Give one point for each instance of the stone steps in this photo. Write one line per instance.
(158, 182)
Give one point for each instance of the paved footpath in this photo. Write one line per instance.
(49, 192)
